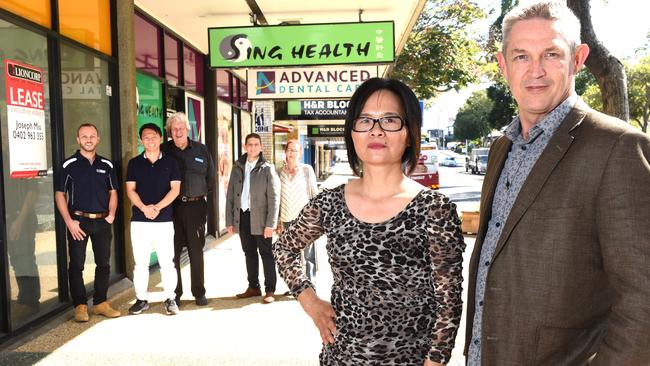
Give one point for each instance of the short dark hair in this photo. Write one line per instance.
(150, 126)
(412, 121)
(87, 125)
(252, 136)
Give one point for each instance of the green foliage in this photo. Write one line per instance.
(504, 106)
(584, 79)
(638, 88)
(472, 118)
(593, 97)
(439, 54)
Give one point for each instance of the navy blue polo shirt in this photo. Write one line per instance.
(152, 183)
(87, 185)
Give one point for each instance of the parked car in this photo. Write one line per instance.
(449, 161)
(477, 164)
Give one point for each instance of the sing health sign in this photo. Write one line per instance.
(25, 120)
(302, 45)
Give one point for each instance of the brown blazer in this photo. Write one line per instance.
(570, 277)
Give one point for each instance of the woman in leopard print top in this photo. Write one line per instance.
(395, 247)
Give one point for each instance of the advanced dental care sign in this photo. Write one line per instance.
(26, 120)
(302, 45)
(304, 83)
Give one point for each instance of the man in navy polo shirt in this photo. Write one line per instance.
(153, 181)
(86, 196)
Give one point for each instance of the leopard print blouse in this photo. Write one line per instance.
(397, 284)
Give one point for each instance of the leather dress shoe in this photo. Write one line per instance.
(81, 313)
(106, 310)
(201, 301)
(250, 292)
(269, 297)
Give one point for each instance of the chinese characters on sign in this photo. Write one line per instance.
(302, 45)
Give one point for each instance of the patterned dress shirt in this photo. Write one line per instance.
(522, 157)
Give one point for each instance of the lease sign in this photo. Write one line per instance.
(26, 120)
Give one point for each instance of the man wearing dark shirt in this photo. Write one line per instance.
(190, 207)
(152, 183)
(86, 196)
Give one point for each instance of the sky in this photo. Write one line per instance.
(620, 25)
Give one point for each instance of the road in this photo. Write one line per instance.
(462, 188)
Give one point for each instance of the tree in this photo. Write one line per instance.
(472, 118)
(503, 105)
(639, 93)
(607, 69)
(439, 54)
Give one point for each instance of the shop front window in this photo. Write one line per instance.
(27, 174)
(84, 78)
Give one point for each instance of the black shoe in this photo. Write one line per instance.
(201, 301)
(170, 307)
(138, 307)
(177, 299)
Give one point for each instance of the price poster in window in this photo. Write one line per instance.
(26, 120)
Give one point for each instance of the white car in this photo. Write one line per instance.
(449, 161)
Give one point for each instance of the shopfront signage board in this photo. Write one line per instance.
(311, 82)
(302, 45)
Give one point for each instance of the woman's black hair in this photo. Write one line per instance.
(412, 120)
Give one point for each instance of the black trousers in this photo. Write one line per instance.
(189, 231)
(251, 244)
(100, 233)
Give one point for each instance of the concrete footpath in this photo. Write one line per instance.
(228, 331)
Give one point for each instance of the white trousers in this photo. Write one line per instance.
(160, 236)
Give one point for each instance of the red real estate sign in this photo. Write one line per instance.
(26, 120)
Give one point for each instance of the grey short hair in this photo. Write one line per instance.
(178, 116)
(569, 25)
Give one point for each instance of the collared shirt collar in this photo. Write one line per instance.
(252, 163)
(144, 155)
(548, 124)
(79, 156)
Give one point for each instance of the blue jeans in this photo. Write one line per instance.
(309, 254)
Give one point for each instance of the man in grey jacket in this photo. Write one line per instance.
(252, 205)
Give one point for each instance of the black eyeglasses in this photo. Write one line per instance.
(387, 123)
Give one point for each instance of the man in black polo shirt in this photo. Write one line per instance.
(190, 207)
(86, 196)
(152, 183)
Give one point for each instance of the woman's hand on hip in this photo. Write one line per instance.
(321, 313)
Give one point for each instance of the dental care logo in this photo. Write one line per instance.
(265, 82)
(235, 48)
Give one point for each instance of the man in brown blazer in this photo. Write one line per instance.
(560, 273)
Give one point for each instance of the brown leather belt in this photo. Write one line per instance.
(99, 215)
(192, 199)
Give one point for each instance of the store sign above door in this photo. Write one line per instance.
(326, 131)
(312, 82)
(317, 109)
(302, 45)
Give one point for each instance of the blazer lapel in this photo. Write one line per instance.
(497, 157)
(551, 156)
